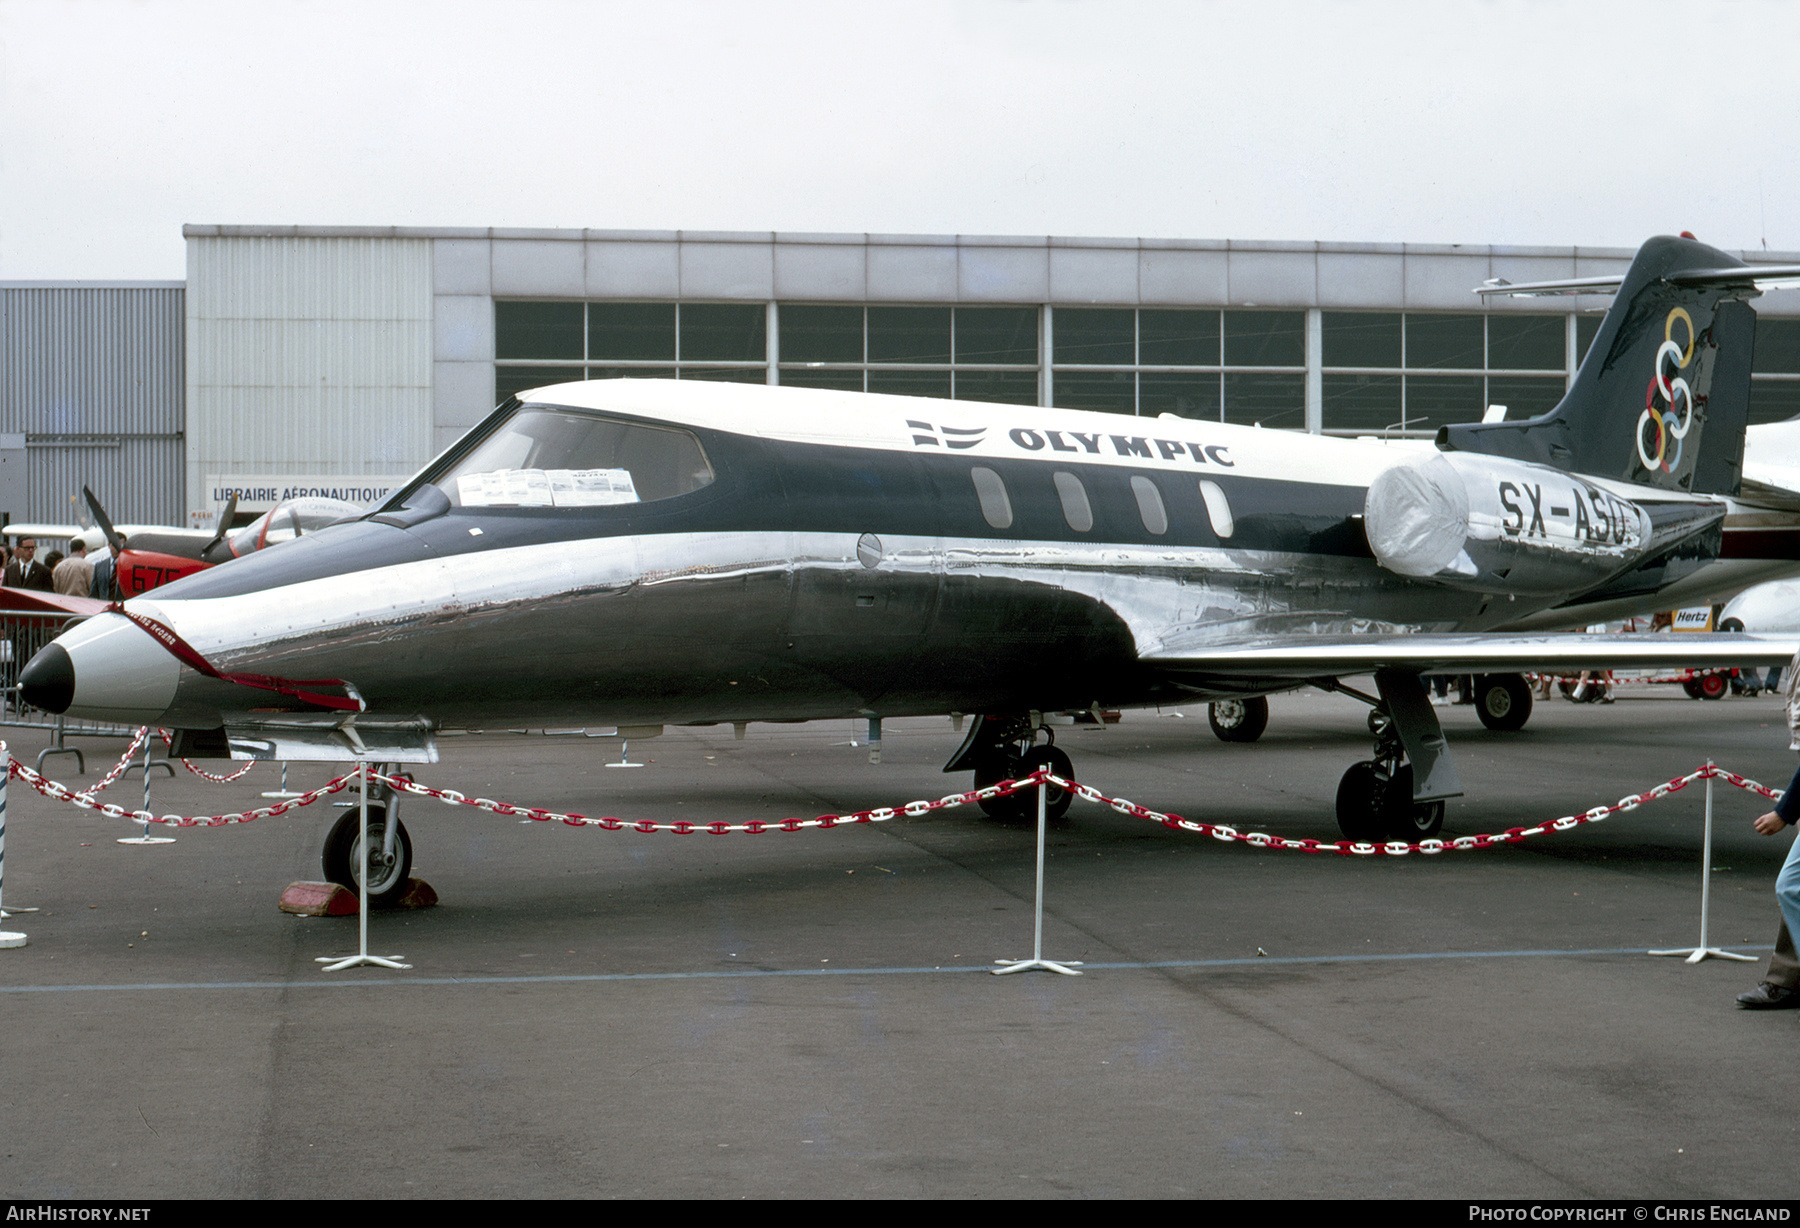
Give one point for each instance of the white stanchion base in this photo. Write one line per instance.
(11, 938)
(336, 963)
(623, 763)
(146, 839)
(1066, 967)
(1694, 955)
(281, 795)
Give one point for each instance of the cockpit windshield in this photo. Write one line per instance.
(544, 457)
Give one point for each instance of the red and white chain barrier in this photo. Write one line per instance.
(168, 741)
(1218, 831)
(1399, 848)
(1600, 675)
(85, 797)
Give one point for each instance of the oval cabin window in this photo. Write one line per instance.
(1150, 505)
(995, 506)
(1076, 508)
(1218, 509)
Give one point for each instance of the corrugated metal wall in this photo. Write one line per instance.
(93, 377)
(308, 355)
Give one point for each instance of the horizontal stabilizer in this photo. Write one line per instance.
(1754, 275)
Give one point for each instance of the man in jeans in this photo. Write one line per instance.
(1780, 988)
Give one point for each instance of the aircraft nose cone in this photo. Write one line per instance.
(105, 669)
(48, 680)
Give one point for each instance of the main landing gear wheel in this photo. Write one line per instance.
(1409, 820)
(1372, 806)
(1239, 720)
(343, 863)
(1359, 799)
(1503, 701)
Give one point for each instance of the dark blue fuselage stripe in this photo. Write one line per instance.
(764, 485)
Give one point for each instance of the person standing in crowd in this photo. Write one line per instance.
(105, 584)
(25, 571)
(1780, 987)
(74, 575)
(19, 564)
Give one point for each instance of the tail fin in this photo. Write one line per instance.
(1663, 395)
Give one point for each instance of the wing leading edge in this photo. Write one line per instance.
(1295, 660)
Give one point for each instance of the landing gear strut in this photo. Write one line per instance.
(1376, 798)
(1007, 748)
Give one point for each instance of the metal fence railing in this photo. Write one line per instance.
(22, 633)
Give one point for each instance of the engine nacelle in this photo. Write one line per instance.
(1501, 526)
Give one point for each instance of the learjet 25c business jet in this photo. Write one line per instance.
(644, 553)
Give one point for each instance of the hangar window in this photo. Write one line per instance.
(1076, 508)
(1774, 392)
(1150, 505)
(965, 353)
(996, 508)
(1444, 340)
(544, 457)
(536, 343)
(1172, 337)
(1265, 338)
(537, 330)
(1360, 338)
(1527, 342)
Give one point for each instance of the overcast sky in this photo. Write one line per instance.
(1454, 121)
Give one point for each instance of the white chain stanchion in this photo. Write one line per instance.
(8, 938)
(1694, 955)
(144, 836)
(337, 963)
(283, 791)
(1037, 962)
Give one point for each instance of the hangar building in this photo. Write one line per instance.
(339, 359)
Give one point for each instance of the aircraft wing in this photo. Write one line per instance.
(1294, 658)
(31, 601)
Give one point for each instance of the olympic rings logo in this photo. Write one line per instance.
(1675, 395)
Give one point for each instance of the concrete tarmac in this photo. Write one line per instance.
(598, 1014)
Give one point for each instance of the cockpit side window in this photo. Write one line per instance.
(545, 457)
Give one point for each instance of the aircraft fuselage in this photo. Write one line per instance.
(846, 555)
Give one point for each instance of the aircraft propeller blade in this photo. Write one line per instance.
(223, 525)
(104, 521)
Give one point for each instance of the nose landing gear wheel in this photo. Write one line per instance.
(1021, 807)
(1056, 800)
(343, 863)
